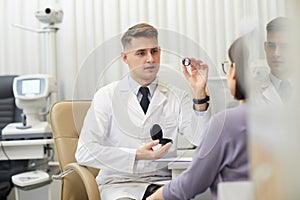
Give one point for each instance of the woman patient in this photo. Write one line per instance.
(222, 155)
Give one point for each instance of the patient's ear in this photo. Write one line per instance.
(233, 75)
(231, 79)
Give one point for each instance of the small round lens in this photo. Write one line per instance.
(186, 61)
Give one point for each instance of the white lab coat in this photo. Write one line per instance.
(115, 126)
(266, 93)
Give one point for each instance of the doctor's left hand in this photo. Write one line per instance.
(146, 152)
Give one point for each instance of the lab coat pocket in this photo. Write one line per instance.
(169, 126)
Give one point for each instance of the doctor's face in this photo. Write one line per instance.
(277, 52)
(143, 59)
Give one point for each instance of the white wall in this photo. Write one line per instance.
(97, 24)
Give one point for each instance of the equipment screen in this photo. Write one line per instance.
(32, 86)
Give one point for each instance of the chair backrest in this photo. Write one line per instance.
(66, 119)
(8, 110)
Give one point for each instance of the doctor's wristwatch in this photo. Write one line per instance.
(201, 101)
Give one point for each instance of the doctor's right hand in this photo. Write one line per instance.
(197, 78)
(146, 152)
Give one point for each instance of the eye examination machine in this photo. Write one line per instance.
(32, 94)
(31, 139)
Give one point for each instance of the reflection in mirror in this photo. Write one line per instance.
(274, 125)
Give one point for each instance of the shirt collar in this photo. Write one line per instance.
(275, 81)
(135, 86)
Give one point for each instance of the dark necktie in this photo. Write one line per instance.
(144, 101)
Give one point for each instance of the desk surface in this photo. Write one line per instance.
(179, 163)
(24, 149)
(26, 142)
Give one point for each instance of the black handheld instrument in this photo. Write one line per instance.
(157, 134)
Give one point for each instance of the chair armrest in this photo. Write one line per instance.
(86, 176)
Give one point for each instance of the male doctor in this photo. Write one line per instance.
(116, 133)
(275, 88)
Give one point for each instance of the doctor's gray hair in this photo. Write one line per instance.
(138, 30)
